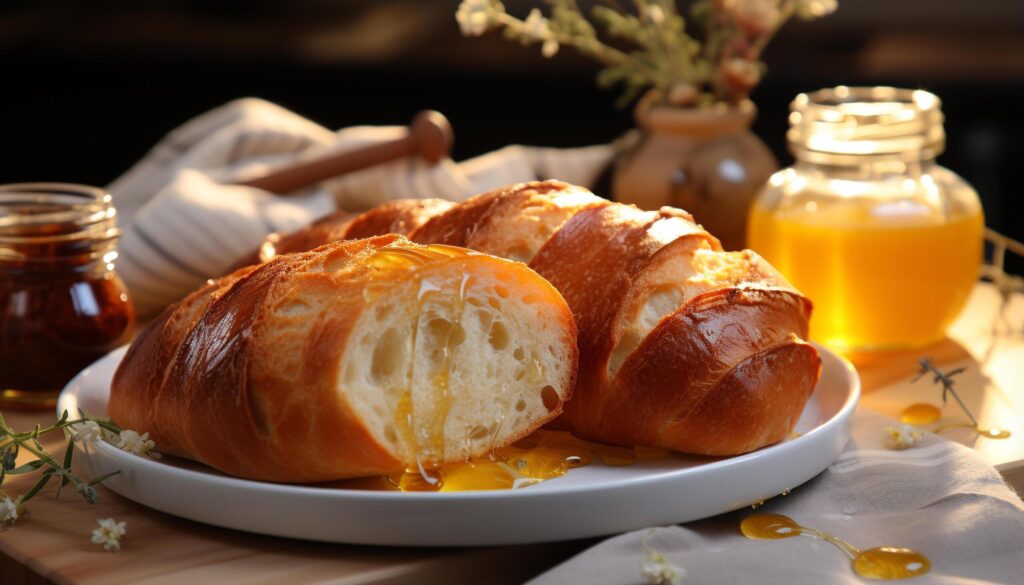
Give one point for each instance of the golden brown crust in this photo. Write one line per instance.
(726, 373)
(239, 377)
(400, 216)
(150, 353)
(683, 387)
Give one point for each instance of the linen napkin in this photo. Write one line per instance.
(938, 498)
(184, 220)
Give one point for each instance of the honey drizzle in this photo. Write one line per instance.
(539, 457)
(886, 562)
(926, 414)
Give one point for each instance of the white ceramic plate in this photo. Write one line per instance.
(589, 501)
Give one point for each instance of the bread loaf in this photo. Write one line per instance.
(358, 358)
(682, 345)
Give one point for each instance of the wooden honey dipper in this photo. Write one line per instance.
(429, 136)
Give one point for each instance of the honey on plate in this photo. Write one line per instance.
(541, 456)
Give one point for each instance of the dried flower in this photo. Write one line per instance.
(741, 75)
(8, 510)
(664, 53)
(811, 9)
(86, 432)
(474, 16)
(537, 28)
(109, 534)
(946, 379)
(655, 568)
(903, 437)
(137, 444)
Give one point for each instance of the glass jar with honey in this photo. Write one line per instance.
(884, 241)
(62, 306)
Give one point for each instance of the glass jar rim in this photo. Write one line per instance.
(40, 213)
(855, 122)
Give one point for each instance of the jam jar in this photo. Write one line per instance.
(62, 306)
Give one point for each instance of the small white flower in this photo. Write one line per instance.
(109, 534)
(136, 444)
(658, 571)
(810, 9)
(549, 48)
(903, 437)
(474, 17)
(536, 26)
(656, 14)
(8, 511)
(87, 432)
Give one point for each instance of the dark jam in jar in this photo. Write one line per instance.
(62, 306)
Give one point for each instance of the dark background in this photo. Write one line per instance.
(87, 87)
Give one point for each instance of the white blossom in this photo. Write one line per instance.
(109, 534)
(549, 48)
(658, 571)
(86, 432)
(536, 26)
(903, 437)
(474, 17)
(8, 510)
(136, 444)
(810, 9)
(656, 14)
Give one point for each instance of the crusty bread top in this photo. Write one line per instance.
(512, 222)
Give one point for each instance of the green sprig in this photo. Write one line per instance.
(12, 442)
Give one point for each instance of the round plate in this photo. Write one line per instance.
(589, 501)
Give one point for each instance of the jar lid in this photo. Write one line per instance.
(866, 121)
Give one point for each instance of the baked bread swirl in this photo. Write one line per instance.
(682, 345)
(358, 358)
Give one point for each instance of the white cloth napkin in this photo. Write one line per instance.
(938, 498)
(184, 220)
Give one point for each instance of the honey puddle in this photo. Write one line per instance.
(541, 456)
(926, 414)
(885, 562)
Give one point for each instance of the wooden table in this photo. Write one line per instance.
(51, 544)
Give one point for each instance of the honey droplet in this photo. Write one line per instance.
(889, 562)
(994, 433)
(920, 414)
(886, 562)
(769, 527)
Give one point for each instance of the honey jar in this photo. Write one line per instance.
(884, 241)
(62, 306)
